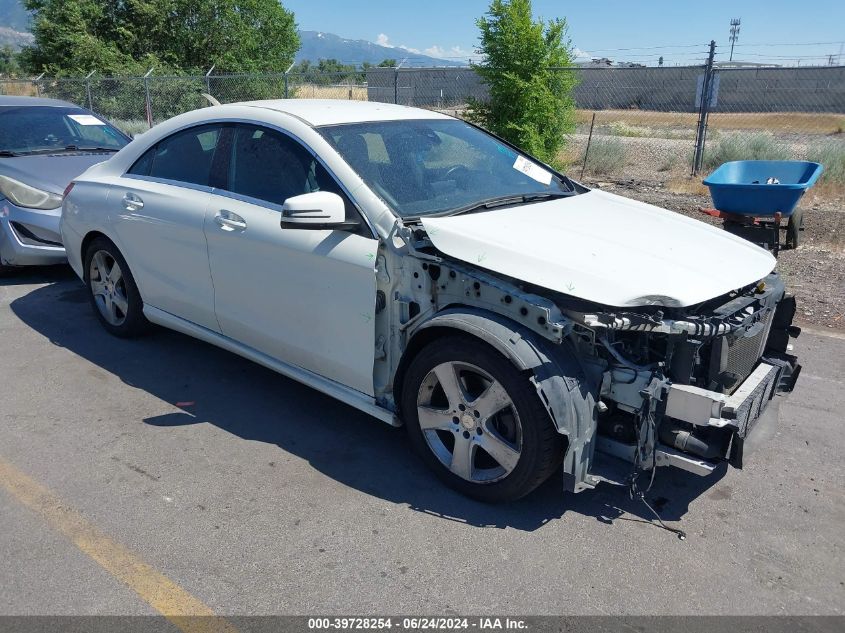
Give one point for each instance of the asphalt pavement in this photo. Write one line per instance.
(133, 464)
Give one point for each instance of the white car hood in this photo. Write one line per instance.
(604, 248)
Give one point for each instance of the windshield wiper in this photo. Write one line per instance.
(502, 201)
(7, 153)
(66, 148)
(77, 148)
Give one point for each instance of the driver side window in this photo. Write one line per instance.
(271, 167)
(267, 165)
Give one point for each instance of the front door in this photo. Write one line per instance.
(302, 296)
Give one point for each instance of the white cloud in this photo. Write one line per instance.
(435, 50)
(454, 52)
(581, 55)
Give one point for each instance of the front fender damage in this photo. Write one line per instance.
(567, 386)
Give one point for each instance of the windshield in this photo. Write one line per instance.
(43, 129)
(428, 167)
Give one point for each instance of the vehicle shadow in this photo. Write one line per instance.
(254, 403)
(30, 275)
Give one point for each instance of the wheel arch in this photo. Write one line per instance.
(90, 236)
(567, 387)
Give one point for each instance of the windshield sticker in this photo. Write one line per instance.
(532, 170)
(86, 119)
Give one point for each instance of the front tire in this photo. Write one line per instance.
(477, 422)
(112, 290)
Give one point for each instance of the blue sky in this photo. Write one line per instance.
(446, 28)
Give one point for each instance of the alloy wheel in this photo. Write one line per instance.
(469, 422)
(108, 288)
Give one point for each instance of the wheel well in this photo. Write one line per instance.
(86, 241)
(417, 344)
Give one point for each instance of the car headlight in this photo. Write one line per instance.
(25, 196)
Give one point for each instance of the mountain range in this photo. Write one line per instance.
(14, 24)
(14, 31)
(317, 45)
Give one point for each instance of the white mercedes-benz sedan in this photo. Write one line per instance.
(422, 270)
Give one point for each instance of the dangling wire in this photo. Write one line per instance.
(646, 419)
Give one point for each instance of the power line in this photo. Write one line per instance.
(644, 48)
(794, 44)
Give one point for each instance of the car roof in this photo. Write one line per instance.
(318, 112)
(6, 100)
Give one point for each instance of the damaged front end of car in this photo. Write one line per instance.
(657, 385)
(686, 387)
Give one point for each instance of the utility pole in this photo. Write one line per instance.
(735, 22)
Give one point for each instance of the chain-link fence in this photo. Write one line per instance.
(641, 123)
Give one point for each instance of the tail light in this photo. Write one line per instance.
(68, 189)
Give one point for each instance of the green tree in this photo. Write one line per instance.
(8, 62)
(333, 66)
(130, 36)
(530, 101)
(387, 63)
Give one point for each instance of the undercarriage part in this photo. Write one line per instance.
(789, 370)
(690, 440)
(782, 328)
(684, 356)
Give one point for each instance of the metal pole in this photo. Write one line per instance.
(735, 26)
(88, 89)
(38, 85)
(208, 78)
(287, 72)
(587, 151)
(148, 104)
(703, 110)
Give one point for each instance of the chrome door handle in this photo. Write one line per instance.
(131, 202)
(229, 221)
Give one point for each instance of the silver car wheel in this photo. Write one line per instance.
(469, 422)
(108, 288)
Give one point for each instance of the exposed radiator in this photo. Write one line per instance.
(737, 357)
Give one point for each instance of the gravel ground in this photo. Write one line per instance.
(814, 272)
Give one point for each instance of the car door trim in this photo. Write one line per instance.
(172, 183)
(347, 395)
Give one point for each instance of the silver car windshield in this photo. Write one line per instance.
(434, 167)
(45, 129)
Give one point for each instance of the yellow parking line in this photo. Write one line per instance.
(184, 610)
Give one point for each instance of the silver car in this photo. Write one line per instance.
(44, 144)
(413, 266)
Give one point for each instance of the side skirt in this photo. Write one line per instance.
(331, 388)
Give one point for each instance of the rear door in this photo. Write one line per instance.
(303, 296)
(160, 204)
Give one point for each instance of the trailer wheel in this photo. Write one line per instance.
(793, 229)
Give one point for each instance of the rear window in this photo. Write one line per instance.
(186, 156)
(44, 129)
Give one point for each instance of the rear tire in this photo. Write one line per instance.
(112, 290)
(490, 438)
